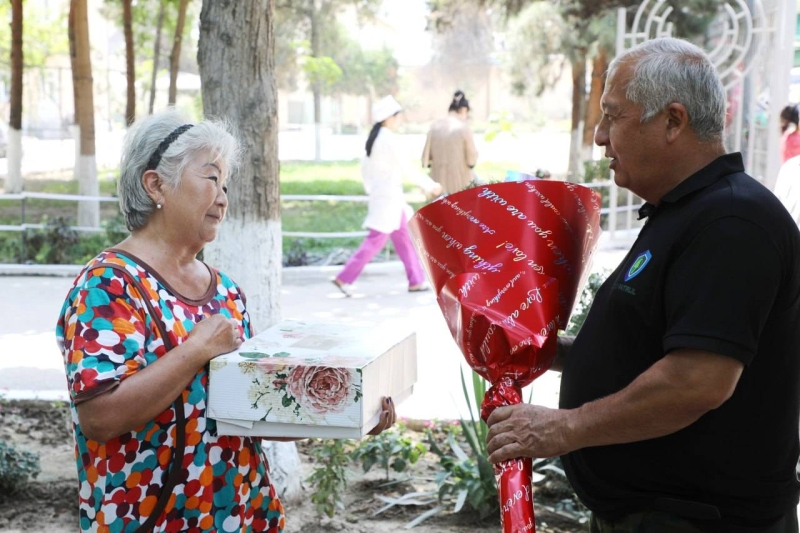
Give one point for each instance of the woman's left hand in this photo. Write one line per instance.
(388, 417)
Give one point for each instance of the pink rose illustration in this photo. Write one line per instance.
(320, 389)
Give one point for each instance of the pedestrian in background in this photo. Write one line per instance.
(790, 141)
(383, 170)
(450, 150)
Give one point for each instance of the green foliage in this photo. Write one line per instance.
(52, 244)
(542, 44)
(499, 123)
(43, 33)
(321, 70)
(57, 244)
(329, 477)
(340, 65)
(597, 171)
(16, 467)
(390, 449)
(585, 302)
(467, 482)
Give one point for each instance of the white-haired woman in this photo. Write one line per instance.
(137, 329)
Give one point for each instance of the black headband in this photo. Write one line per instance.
(155, 159)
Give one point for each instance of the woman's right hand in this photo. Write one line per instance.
(215, 336)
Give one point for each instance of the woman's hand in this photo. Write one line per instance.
(388, 417)
(215, 336)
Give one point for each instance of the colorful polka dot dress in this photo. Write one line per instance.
(107, 333)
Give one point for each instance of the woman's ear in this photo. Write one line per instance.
(153, 185)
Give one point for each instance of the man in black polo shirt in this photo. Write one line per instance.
(679, 397)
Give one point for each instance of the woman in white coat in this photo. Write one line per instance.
(383, 170)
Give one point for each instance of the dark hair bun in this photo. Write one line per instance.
(459, 101)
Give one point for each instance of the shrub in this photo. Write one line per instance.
(390, 449)
(329, 477)
(16, 467)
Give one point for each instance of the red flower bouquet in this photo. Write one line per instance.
(506, 261)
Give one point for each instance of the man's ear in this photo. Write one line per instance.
(153, 185)
(677, 121)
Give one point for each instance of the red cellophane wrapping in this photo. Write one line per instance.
(506, 261)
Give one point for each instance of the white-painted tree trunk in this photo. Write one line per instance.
(88, 211)
(317, 141)
(14, 181)
(251, 253)
(284, 469)
(75, 131)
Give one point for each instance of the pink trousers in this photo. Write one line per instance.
(374, 243)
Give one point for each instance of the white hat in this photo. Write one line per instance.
(385, 108)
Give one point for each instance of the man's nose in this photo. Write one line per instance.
(601, 135)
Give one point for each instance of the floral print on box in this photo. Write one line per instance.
(312, 392)
(106, 335)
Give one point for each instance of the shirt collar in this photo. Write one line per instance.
(721, 166)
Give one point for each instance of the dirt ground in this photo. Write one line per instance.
(50, 502)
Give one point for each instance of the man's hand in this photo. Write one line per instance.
(526, 430)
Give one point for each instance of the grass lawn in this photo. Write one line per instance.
(297, 178)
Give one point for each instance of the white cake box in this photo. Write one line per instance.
(301, 379)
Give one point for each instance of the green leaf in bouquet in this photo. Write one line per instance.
(281, 354)
(286, 401)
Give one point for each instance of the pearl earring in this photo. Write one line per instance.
(158, 206)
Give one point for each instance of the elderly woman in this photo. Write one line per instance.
(137, 329)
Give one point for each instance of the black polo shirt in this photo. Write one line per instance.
(716, 267)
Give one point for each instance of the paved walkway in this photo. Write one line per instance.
(30, 364)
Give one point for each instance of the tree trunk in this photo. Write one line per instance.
(14, 181)
(75, 129)
(593, 111)
(237, 62)
(175, 57)
(316, 87)
(156, 56)
(88, 212)
(130, 68)
(578, 101)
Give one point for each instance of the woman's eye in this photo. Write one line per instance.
(225, 190)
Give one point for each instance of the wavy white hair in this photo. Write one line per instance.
(141, 142)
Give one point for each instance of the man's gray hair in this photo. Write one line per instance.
(669, 70)
(141, 142)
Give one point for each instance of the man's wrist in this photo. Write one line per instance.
(574, 429)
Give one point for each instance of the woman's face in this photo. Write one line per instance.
(393, 122)
(199, 203)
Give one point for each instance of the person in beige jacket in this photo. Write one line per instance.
(450, 148)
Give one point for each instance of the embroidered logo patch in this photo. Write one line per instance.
(638, 265)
